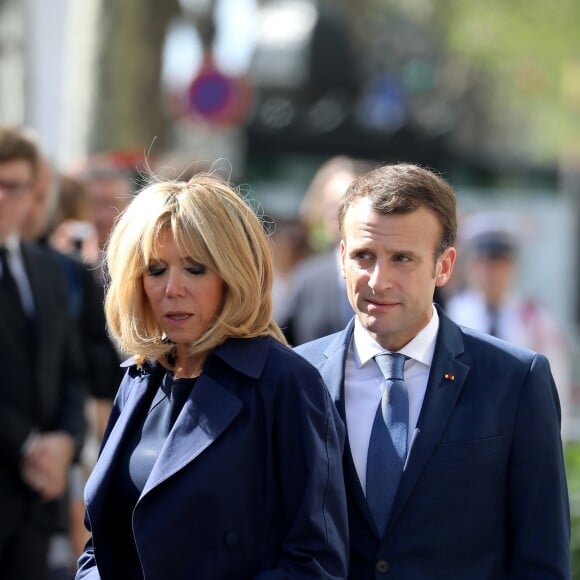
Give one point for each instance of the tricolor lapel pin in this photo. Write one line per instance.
(449, 377)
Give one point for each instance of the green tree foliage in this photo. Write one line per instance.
(572, 457)
(531, 48)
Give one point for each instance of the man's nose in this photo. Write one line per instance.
(380, 277)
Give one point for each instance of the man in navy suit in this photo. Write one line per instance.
(42, 387)
(482, 493)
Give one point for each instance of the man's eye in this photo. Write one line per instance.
(362, 256)
(402, 258)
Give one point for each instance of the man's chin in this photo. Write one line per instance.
(371, 323)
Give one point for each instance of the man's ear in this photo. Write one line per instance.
(342, 257)
(444, 266)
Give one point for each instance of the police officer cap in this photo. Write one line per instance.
(491, 235)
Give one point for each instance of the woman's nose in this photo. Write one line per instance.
(175, 283)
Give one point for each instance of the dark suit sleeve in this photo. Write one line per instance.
(15, 427)
(70, 410)
(539, 516)
(309, 439)
(103, 361)
(71, 417)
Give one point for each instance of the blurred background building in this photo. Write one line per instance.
(266, 90)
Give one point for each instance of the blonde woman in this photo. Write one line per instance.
(222, 458)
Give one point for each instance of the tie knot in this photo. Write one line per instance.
(392, 365)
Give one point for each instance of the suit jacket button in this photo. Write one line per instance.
(382, 566)
(232, 539)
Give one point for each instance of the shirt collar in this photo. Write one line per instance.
(12, 244)
(420, 348)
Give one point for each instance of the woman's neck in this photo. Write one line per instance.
(188, 367)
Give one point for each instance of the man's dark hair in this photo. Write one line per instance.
(403, 188)
(16, 144)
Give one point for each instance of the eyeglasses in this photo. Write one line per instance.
(14, 188)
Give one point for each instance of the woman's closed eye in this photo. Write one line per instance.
(156, 269)
(194, 268)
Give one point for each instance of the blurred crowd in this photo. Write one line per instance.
(64, 219)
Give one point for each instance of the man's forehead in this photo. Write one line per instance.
(18, 167)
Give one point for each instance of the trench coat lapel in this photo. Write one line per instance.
(102, 472)
(210, 409)
(207, 413)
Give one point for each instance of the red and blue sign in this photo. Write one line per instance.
(218, 97)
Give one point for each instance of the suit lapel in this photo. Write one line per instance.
(355, 490)
(208, 412)
(45, 313)
(332, 366)
(445, 383)
(35, 263)
(333, 372)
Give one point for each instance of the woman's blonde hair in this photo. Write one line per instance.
(212, 224)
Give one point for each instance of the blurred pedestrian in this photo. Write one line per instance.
(222, 458)
(317, 303)
(59, 221)
(289, 241)
(71, 229)
(454, 465)
(42, 392)
(493, 303)
(109, 188)
(68, 231)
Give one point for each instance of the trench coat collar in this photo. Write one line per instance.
(207, 413)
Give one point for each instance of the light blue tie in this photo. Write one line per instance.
(388, 443)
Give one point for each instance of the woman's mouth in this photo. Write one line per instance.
(177, 316)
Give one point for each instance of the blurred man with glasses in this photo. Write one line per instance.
(42, 388)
